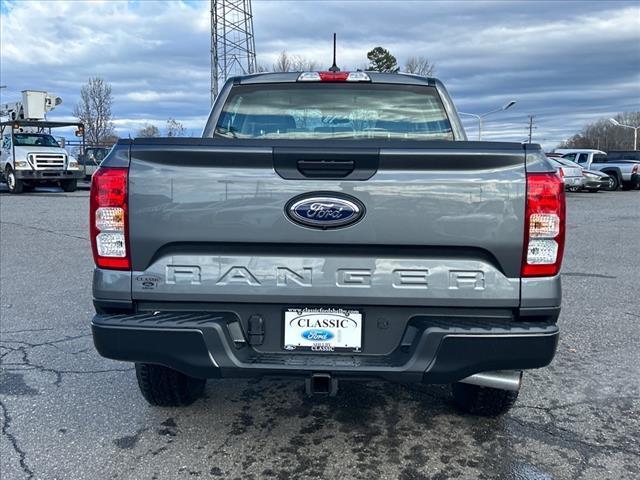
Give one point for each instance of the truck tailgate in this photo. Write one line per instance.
(443, 226)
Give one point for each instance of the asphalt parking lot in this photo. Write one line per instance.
(69, 414)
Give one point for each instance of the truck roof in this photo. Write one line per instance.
(578, 150)
(376, 77)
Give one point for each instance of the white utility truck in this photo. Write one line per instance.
(29, 154)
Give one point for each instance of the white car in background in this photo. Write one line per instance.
(592, 180)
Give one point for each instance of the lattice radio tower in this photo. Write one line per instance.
(233, 46)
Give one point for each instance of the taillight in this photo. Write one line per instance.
(634, 170)
(545, 218)
(108, 219)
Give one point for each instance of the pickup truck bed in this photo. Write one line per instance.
(235, 245)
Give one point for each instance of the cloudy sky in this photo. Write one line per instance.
(567, 63)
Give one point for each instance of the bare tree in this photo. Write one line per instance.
(149, 130)
(175, 128)
(420, 66)
(94, 110)
(294, 63)
(283, 63)
(603, 135)
(302, 64)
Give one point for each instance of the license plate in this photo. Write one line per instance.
(323, 329)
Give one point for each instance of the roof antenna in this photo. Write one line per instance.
(334, 67)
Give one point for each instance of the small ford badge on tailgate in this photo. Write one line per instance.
(324, 210)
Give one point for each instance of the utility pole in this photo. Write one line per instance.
(233, 48)
(531, 117)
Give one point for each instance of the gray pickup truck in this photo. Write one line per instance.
(329, 226)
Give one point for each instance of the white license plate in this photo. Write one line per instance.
(323, 329)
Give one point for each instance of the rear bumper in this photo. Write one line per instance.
(49, 175)
(634, 180)
(432, 349)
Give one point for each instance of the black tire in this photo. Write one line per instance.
(614, 183)
(489, 402)
(165, 387)
(627, 186)
(69, 185)
(15, 185)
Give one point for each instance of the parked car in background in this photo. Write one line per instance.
(572, 176)
(625, 173)
(592, 180)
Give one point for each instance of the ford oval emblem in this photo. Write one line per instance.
(329, 210)
(317, 335)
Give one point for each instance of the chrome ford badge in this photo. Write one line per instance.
(324, 211)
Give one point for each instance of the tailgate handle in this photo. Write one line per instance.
(326, 168)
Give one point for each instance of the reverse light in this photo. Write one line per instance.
(108, 219)
(545, 218)
(309, 77)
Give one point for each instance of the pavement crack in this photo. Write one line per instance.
(59, 373)
(46, 230)
(26, 330)
(22, 455)
(50, 343)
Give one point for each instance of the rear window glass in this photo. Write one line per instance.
(334, 111)
(39, 139)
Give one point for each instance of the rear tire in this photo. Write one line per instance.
(14, 184)
(165, 387)
(488, 402)
(69, 185)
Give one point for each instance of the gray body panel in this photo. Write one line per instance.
(625, 168)
(215, 233)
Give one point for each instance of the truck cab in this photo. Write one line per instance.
(28, 158)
